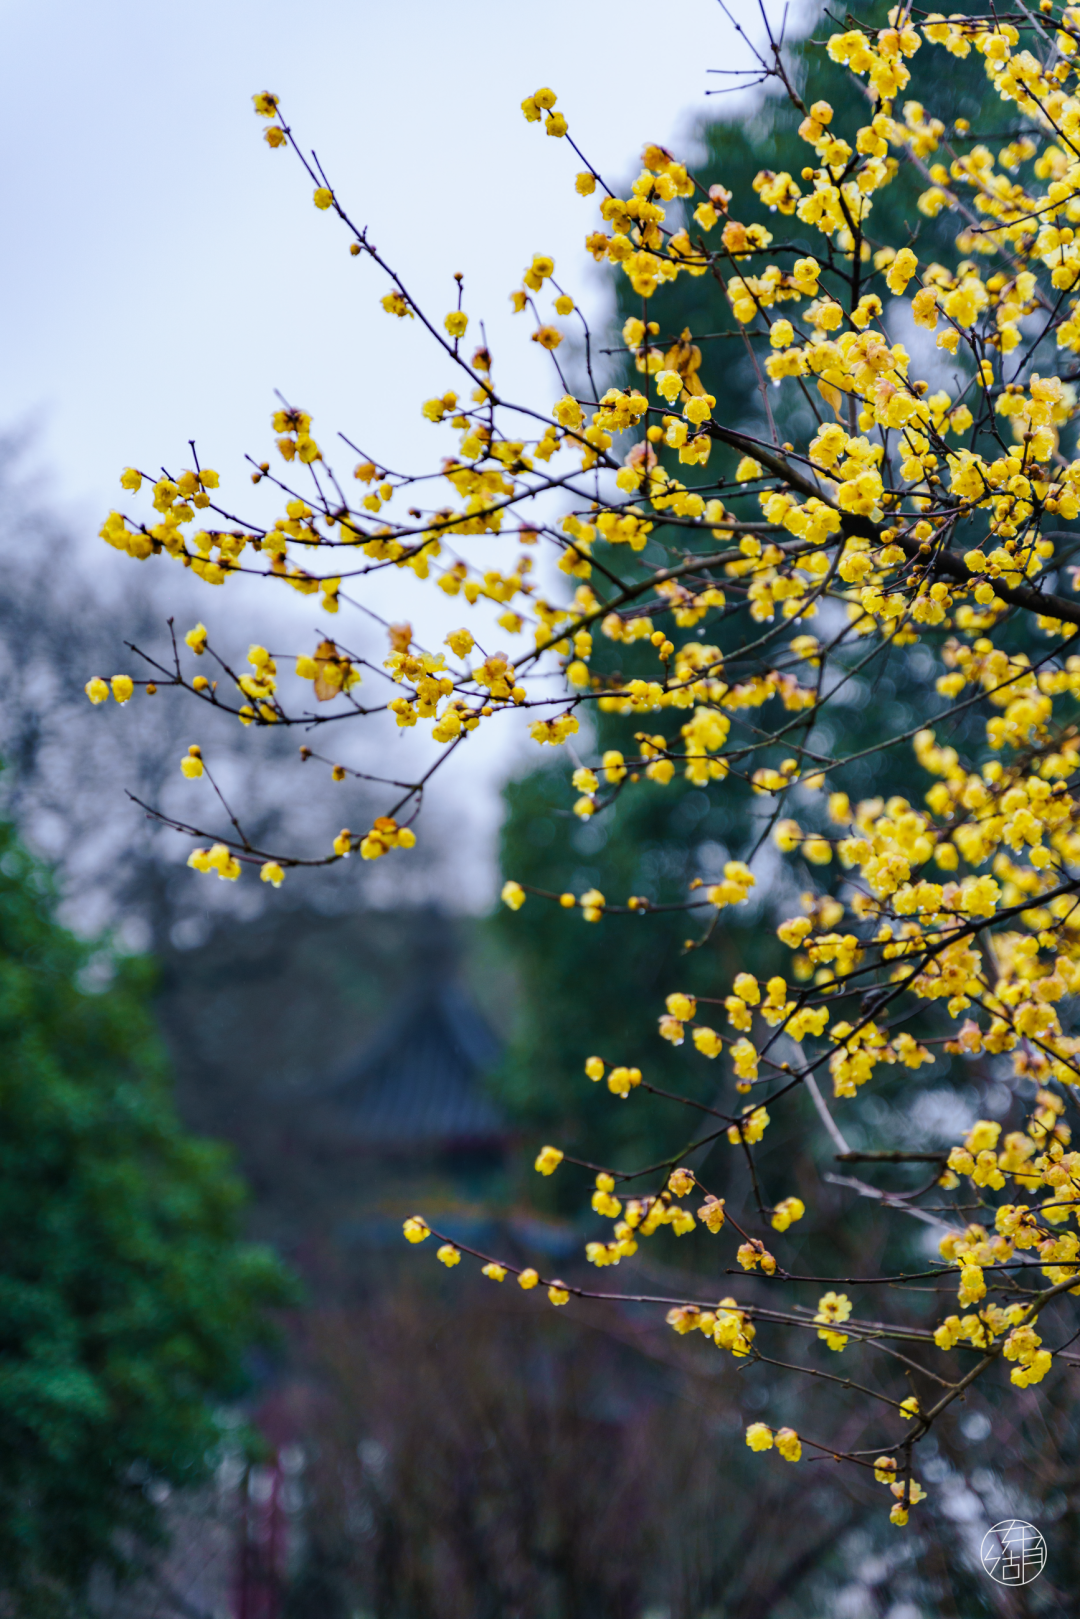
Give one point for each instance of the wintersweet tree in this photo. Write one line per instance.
(924, 493)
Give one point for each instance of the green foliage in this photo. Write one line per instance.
(126, 1301)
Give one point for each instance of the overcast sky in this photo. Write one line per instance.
(164, 270)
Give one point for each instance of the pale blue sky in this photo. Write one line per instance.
(165, 271)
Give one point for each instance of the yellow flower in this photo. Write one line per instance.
(751, 1254)
(558, 1294)
(711, 1213)
(272, 873)
(130, 479)
(787, 835)
(97, 690)
(567, 412)
(548, 1160)
(669, 384)
(759, 1437)
(218, 859)
(416, 1228)
(788, 1444)
(622, 1080)
(266, 104)
(747, 989)
(548, 337)
(752, 1126)
(191, 765)
(744, 1057)
(323, 197)
(972, 1284)
(787, 1212)
(594, 1067)
(528, 1278)
(196, 639)
(497, 1273)
(456, 322)
(513, 895)
(832, 1308)
(449, 1255)
(603, 1203)
(901, 270)
(460, 642)
(707, 1041)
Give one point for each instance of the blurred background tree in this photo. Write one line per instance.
(126, 1299)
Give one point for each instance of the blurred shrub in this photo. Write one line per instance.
(504, 1461)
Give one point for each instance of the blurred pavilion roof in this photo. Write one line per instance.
(417, 1085)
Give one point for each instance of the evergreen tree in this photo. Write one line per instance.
(126, 1300)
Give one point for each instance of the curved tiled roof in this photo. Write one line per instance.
(419, 1083)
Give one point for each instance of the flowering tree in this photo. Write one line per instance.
(899, 511)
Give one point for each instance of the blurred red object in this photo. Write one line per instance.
(261, 1546)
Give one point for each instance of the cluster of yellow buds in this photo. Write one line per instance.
(759, 1436)
(385, 835)
(122, 687)
(728, 1326)
(832, 1309)
(541, 102)
(294, 430)
(753, 1253)
(219, 858)
(750, 1128)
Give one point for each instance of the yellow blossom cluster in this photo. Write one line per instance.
(921, 511)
